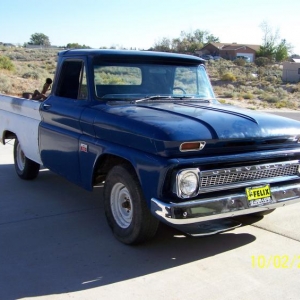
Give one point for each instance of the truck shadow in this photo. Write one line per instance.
(55, 240)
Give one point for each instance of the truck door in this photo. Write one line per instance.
(60, 129)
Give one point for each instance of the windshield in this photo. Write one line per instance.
(142, 81)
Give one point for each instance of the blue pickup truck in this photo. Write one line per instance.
(147, 126)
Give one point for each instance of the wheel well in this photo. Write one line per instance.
(104, 164)
(8, 135)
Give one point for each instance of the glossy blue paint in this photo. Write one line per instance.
(75, 134)
(161, 127)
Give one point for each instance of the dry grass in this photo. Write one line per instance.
(31, 68)
(248, 86)
(253, 87)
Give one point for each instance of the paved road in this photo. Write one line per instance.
(55, 244)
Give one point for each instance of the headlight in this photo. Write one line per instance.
(187, 183)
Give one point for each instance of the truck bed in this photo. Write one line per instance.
(22, 117)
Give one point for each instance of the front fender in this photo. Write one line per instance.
(151, 170)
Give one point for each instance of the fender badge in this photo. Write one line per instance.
(83, 148)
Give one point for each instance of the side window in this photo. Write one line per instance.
(72, 81)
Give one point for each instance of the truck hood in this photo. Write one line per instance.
(162, 127)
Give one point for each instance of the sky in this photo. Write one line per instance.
(141, 23)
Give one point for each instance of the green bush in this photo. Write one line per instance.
(271, 98)
(248, 96)
(228, 77)
(6, 63)
(262, 61)
(5, 84)
(228, 94)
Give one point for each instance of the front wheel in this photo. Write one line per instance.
(125, 207)
(25, 167)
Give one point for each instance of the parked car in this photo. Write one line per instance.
(207, 57)
(245, 58)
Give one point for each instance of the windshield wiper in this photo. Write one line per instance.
(157, 97)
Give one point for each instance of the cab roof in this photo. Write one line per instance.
(132, 55)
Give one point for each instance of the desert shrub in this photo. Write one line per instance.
(248, 96)
(5, 84)
(270, 89)
(230, 86)
(6, 63)
(285, 103)
(296, 88)
(228, 77)
(281, 92)
(262, 61)
(31, 74)
(270, 98)
(271, 78)
(240, 62)
(228, 94)
(16, 56)
(257, 91)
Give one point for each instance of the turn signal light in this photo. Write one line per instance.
(192, 146)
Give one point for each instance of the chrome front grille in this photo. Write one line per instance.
(232, 176)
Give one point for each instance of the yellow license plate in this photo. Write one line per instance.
(259, 192)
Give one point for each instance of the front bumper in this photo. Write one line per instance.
(180, 215)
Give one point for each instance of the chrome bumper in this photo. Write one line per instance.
(231, 205)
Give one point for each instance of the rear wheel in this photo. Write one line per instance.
(125, 207)
(25, 167)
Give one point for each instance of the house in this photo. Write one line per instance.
(291, 71)
(229, 51)
(9, 45)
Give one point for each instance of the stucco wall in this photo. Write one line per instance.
(291, 72)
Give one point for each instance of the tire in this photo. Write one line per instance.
(125, 207)
(25, 167)
(263, 213)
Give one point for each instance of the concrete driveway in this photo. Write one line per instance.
(55, 244)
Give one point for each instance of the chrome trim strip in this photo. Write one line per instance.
(169, 212)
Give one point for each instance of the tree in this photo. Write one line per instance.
(39, 39)
(269, 37)
(212, 39)
(163, 45)
(282, 51)
(270, 47)
(188, 42)
(77, 46)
